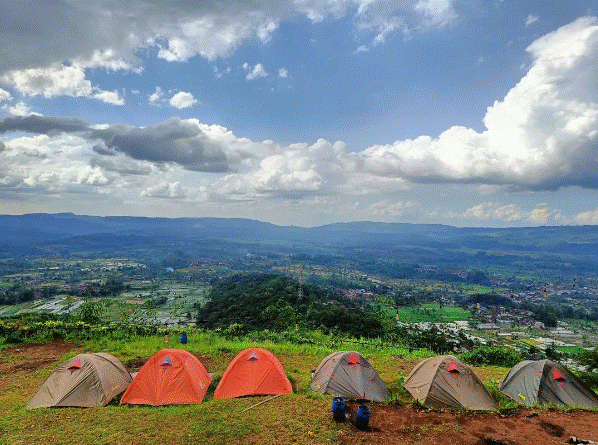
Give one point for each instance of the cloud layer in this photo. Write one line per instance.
(50, 57)
(543, 135)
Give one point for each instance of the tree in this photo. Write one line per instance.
(279, 316)
(91, 312)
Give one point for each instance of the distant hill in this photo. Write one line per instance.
(569, 249)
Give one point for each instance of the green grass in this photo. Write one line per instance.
(303, 417)
(213, 422)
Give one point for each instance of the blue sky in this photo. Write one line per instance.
(302, 112)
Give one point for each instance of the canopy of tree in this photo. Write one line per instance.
(270, 301)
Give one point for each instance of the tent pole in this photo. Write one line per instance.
(263, 401)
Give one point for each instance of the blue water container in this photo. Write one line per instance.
(362, 418)
(184, 338)
(338, 409)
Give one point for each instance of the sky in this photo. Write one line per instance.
(302, 112)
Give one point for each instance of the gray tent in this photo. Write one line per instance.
(84, 380)
(348, 374)
(546, 382)
(446, 382)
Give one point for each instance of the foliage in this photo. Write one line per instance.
(589, 378)
(590, 359)
(432, 338)
(493, 356)
(489, 300)
(431, 312)
(275, 302)
(552, 353)
(16, 293)
(90, 312)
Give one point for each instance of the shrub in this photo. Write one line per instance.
(492, 356)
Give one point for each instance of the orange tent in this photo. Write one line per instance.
(254, 371)
(170, 377)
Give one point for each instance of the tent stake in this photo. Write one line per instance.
(263, 401)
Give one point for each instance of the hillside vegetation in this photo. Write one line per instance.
(276, 302)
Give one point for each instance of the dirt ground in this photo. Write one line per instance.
(388, 424)
(18, 362)
(411, 425)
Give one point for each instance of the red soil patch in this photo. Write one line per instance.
(19, 361)
(410, 425)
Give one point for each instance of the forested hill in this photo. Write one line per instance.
(269, 301)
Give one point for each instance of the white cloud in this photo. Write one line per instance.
(182, 99)
(293, 171)
(4, 95)
(436, 12)
(219, 73)
(50, 163)
(257, 71)
(531, 18)
(165, 190)
(491, 210)
(542, 135)
(51, 81)
(19, 109)
(156, 96)
(541, 213)
(282, 72)
(58, 80)
(389, 208)
(109, 97)
(589, 217)
(215, 33)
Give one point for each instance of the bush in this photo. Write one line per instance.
(234, 330)
(492, 356)
(590, 379)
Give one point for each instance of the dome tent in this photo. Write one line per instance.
(546, 382)
(446, 382)
(169, 377)
(348, 374)
(91, 379)
(254, 371)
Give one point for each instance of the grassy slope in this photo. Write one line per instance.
(303, 417)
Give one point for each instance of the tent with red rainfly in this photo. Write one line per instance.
(254, 371)
(446, 382)
(91, 379)
(170, 377)
(348, 374)
(546, 382)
